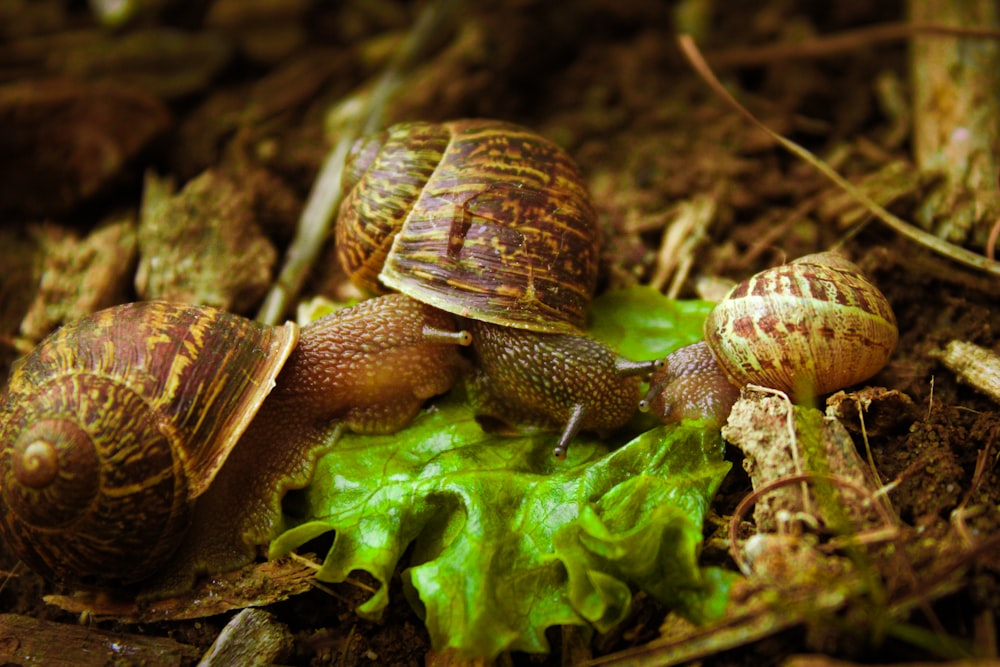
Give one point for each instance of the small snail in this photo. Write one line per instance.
(807, 328)
(122, 429)
(490, 222)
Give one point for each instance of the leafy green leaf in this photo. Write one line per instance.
(505, 540)
(641, 323)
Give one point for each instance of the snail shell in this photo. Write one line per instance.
(80, 507)
(480, 218)
(808, 327)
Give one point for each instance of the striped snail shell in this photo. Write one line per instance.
(480, 218)
(101, 457)
(813, 325)
(807, 328)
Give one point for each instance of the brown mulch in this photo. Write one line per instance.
(235, 107)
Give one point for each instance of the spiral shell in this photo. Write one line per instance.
(808, 327)
(480, 218)
(99, 467)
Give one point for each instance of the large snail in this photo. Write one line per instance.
(807, 328)
(492, 223)
(121, 430)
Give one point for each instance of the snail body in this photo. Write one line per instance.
(490, 222)
(806, 328)
(117, 428)
(572, 381)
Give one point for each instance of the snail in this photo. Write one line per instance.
(490, 222)
(155, 432)
(807, 328)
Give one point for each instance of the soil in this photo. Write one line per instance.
(253, 95)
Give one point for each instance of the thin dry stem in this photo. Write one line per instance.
(793, 442)
(324, 199)
(801, 478)
(900, 226)
(843, 42)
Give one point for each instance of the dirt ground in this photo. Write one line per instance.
(253, 92)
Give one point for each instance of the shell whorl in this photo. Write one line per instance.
(115, 423)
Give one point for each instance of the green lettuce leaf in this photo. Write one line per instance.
(506, 541)
(641, 323)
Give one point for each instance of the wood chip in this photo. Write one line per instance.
(976, 366)
(32, 641)
(253, 586)
(253, 637)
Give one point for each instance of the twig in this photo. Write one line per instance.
(799, 478)
(318, 212)
(991, 243)
(956, 253)
(830, 45)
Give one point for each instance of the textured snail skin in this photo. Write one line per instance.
(806, 328)
(573, 382)
(368, 368)
(690, 385)
(178, 393)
